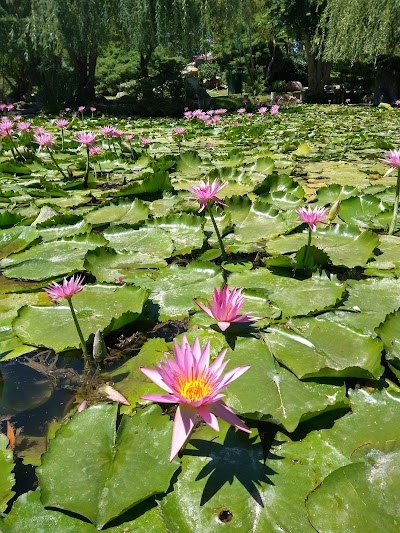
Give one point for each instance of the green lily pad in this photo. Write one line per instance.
(119, 212)
(345, 245)
(51, 259)
(317, 347)
(365, 211)
(28, 509)
(107, 265)
(175, 288)
(98, 472)
(153, 241)
(293, 296)
(373, 300)
(7, 479)
(186, 231)
(104, 307)
(16, 239)
(222, 484)
(340, 502)
(263, 222)
(267, 390)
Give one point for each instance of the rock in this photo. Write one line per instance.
(294, 86)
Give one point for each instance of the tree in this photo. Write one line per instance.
(301, 18)
(78, 28)
(351, 31)
(17, 60)
(146, 24)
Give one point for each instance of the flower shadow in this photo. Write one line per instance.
(238, 457)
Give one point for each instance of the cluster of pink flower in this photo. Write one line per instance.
(397, 102)
(110, 131)
(6, 127)
(6, 107)
(81, 109)
(86, 139)
(209, 118)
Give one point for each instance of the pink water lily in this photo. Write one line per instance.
(66, 289)
(393, 159)
(62, 123)
(206, 192)
(225, 307)
(44, 140)
(196, 386)
(85, 138)
(312, 216)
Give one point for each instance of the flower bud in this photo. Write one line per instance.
(99, 347)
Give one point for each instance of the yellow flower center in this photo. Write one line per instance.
(194, 389)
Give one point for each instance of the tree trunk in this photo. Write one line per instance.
(318, 73)
(147, 88)
(85, 68)
(271, 61)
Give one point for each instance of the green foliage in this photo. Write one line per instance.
(116, 66)
(209, 69)
(351, 32)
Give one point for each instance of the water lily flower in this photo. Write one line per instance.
(145, 142)
(66, 289)
(85, 138)
(81, 108)
(92, 109)
(128, 137)
(241, 110)
(225, 307)
(196, 386)
(206, 192)
(62, 123)
(24, 126)
(39, 130)
(44, 140)
(179, 131)
(274, 110)
(262, 110)
(312, 216)
(392, 159)
(94, 150)
(107, 131)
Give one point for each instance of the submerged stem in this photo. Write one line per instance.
(78, 329)
(86, 178)
(221, 244)
(56, 164)
(393, 223)
(308, 246)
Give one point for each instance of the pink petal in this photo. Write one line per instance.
(208, 417)
(113, 394)
(223, 411)
(223, 326)
(185, 419)
(162, 398)
(204, 308)
(155, 377)
(232, 375)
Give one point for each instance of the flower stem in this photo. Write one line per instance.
(86, 178)
(78, 329)
(221, 244)
(308, 246)
(13, 145)
(56, 164)
(393, 223)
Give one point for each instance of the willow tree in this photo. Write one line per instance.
(301, 18)
(146, 24)
(17, 58)
(356, 32)
(77, 28)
